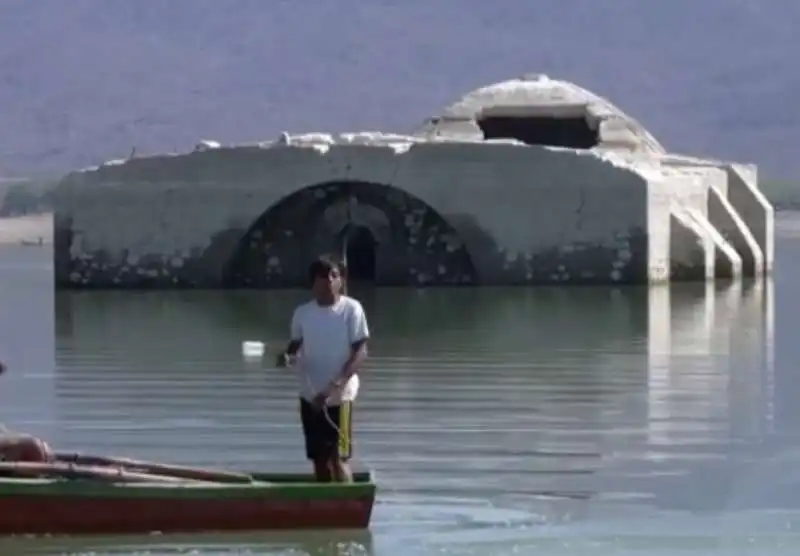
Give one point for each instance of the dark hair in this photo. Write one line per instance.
(322, 267)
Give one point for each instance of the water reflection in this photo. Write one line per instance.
(311, 543)
(711, 359)
(27, 342)
(710, 390)
(521, 383)
(487, 414)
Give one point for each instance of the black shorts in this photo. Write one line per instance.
(327, 437)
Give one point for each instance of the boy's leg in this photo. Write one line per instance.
(314, 430)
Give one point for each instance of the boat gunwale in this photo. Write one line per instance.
(274, 486)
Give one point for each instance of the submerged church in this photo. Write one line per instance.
(529, 181)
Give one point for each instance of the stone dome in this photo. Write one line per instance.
(538, 110)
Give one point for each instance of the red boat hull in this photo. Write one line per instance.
(70, 515)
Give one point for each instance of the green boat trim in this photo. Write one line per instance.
(276, 486)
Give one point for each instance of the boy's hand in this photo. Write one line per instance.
(319, 401)
(285, 360)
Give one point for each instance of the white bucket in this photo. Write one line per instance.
(253, 349)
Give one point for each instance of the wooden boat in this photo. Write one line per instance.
(91, 495)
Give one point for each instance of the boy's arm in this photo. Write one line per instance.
(359, 336)
(295, 342)
(293, 347)
(358, 354)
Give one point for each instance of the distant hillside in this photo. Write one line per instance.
(783, 194)
(82, 81)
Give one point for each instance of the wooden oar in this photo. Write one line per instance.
(88, 472)
(178, 471)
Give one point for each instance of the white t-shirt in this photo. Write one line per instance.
(328, 334)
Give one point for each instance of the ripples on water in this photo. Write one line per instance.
(546, 421)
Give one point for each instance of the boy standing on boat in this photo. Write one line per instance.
(328, 341)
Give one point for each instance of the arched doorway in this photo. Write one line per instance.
(393, 239)
(360, 253)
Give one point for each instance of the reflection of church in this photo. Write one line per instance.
(710, 360)
(710, 393)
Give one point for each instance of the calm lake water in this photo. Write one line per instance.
(499, 421)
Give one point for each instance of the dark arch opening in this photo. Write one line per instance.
(417, 245)
(571, 132)
(359, 250)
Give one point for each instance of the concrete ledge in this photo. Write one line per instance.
(753, 208)
(724, 218)
(691, 250)
(727, 262)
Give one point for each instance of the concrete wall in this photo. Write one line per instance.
(442, 213)
(498, 213)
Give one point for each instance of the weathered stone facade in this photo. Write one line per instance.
(424, 233)
(531, 181)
